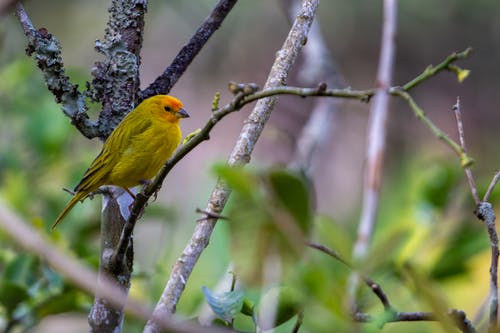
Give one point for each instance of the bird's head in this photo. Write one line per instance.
(166, 107)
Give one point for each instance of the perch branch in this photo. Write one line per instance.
(46, 50)
(172, 73)
(244, 94)
(239, 156)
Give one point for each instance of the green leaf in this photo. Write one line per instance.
(21, 270)
(11, 294)
(291, 192)
(270, 213)
(238, 179)
(465, 243)
(247, 307)
(70, 300)
(437, 183)
(225, 305)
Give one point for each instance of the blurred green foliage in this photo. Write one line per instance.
(429, 252)
(270, 214)
(33, 150)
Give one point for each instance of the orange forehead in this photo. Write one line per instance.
(171, 101)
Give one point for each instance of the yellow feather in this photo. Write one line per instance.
(136, 150)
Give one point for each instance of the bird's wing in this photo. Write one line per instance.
(112, 152)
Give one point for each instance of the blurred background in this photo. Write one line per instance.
(426, 208)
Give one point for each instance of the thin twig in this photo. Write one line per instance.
(298, 322)
(493, 183)
(465, 160)
(209, 215)
(390, 315)
(458, 318)
(375, 287)
(243, 97)
(149, 190)
(484, 211)
(468, 172)
(240, 156)
(433, 70)
(240, 100)
(376, 143)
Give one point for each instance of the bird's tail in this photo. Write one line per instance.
(77, 197)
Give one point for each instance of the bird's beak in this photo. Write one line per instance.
(182, 114)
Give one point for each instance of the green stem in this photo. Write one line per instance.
(433, 70)
(420, 114)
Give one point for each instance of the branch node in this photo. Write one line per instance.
(322, 88)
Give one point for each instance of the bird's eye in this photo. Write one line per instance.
(168, 108)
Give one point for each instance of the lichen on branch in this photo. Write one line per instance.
(46, 50)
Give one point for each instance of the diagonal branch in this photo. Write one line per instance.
(81, 276)
(172, 73)
(240, 156)
(246, 93)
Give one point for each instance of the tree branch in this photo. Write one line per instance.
(492, 185)
(46, 50)
(82, 276)
(377, 132)
(484, 212)
(115, 86)
(172, 73)
(458, 318)
(244, 94)
(390, 315)
(465, 160)
(433, 70)
(376, 141)
(240, 156)
(116, 78)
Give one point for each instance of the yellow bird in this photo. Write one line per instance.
(136, 149)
